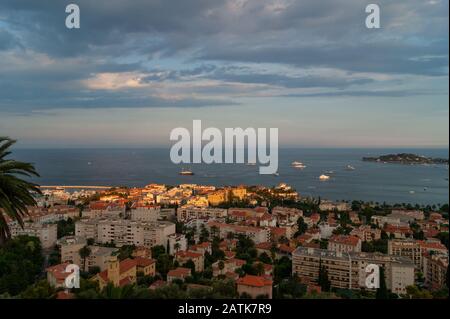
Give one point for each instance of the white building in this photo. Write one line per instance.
(187, 213)
(47, 233)
(177, 242)
(126, 232)
(146, 214)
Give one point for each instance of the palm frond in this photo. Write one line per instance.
(16, 194)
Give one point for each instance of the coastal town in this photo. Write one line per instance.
(199, 241)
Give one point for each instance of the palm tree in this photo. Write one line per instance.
(84, 253)
(15, 193)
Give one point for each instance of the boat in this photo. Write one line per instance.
(186, 172)
(350, 168)
(324, 177)
(329, 172)
(296, 164)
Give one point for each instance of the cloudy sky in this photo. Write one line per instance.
(137, 69)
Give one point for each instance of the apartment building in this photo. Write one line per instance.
(145, 214)
(286, 214)
(258, 235)
(406, 248)
(347, 270)
(344, 244)
(69, 248)
(409, 214)
(177, 242)
(99, 257)
(435, 270)
(415, 249)
(334, 206)
(47, 233)
(70, 252)
(126, 232)
(87, 228)
(366, 233)
(187, 213)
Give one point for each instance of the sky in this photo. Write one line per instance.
(137, 69)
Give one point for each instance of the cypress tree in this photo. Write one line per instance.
(382, 292)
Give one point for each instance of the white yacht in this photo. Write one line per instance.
(186, 172)
(324, 177)
(296, 164)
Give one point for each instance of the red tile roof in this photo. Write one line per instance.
(127, 264)
(179, 272)
(265, 246)
(285, 248)
(432, 245)
(158, 284)
(397, 229)
(188, 254)
(345, 240)
(254, 281)
(59, 271)
(143, 262)
(64, 295)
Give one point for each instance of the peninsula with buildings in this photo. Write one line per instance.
(201, 241)
(406, 158)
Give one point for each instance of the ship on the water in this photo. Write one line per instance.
(186, 172)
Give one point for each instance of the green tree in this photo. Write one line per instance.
(112, 292)
(39, 290)
(302, 227)
(15, 193)
(126, 251)
(191, 265)
(259, 269)
(65, 227)
(323, 281)
(21, 263)
(264, 258)
(382, 292)
(84, 253)
(282, 269)
(415, 292)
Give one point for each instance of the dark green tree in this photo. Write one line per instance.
(382, 292)
(323, 280)
(15, 193)
(84, 253)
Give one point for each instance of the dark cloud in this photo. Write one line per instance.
(214, 36)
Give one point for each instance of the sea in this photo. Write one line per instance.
(377, 182)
